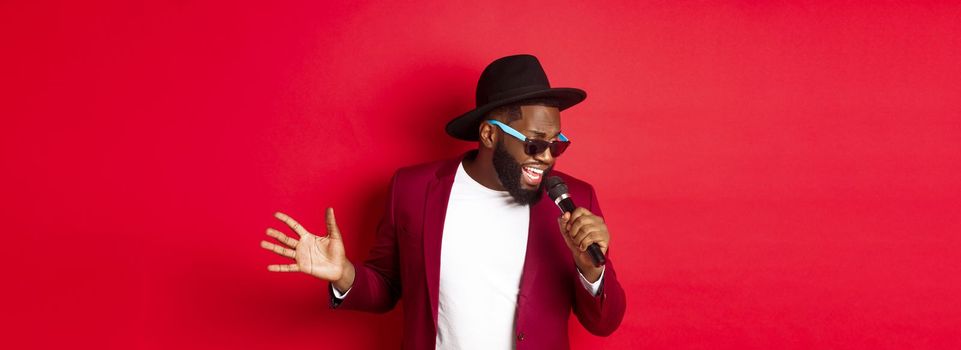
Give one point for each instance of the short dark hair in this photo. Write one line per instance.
(512, 112)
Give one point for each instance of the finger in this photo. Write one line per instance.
(580, 211)
(576, 214)
(578, 225)
(582, 231)
(600, 244)
(567, 238)
(294, 225)
(277, 249)
(282, 238)
(332, 231)
(283, 268)
(591, 238)
(562, 225)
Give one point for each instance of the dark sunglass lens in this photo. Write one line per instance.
(531, 148)
(558, 147)
(543, 146)
(535, 147)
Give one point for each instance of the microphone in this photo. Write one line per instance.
(557, 190)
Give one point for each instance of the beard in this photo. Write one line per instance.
(509, 173)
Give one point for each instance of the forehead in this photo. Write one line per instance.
(539, 120)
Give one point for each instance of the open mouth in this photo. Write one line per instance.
(533, 175)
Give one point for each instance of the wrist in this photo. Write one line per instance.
(346, 280)
(591, 273)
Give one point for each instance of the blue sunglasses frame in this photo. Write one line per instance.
(534, 147)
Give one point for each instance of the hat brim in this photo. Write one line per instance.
(466, 126)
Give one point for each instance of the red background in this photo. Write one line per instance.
(774, 175)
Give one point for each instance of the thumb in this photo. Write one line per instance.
(562, 222)
(332, 231)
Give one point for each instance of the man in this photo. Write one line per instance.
(481, 259)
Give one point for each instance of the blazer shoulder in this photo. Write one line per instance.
(574, 184)
(420, 171)
(418, 176)
(582, 191)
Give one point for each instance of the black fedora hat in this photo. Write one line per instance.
(508, 80)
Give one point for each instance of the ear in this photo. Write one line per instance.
(487, 135)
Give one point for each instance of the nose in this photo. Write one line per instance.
(545, 157)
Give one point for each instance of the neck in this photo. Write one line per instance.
(481, 169)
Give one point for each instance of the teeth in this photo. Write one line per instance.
(534, 174)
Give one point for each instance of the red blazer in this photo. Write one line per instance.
(405, 260)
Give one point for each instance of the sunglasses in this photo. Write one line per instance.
(534, 147)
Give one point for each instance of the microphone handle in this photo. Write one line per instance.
(567, 206)
(595, 251)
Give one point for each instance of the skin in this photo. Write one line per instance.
(324, 257)
(321, 257)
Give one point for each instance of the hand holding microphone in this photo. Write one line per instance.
(585, 233)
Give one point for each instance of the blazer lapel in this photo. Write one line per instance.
(435, 211)
(536, 241)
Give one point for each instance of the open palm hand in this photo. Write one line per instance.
(322, 257)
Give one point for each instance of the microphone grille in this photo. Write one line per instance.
(555, 187)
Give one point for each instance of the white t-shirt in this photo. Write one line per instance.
(481, 261)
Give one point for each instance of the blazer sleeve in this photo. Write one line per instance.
(376, 285)
(601, 314)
